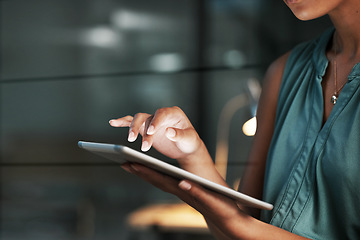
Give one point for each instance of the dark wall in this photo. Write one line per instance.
(69, 66)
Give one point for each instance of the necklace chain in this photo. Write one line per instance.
(335, 96)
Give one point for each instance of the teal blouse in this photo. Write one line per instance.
(313, 169)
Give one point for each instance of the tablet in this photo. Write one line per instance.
(122, 154)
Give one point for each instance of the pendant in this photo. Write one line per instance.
(333, 99)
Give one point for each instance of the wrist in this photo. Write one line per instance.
(199, 157)
(200, 163)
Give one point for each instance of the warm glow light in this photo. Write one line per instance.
(249, 127)
(168, 217)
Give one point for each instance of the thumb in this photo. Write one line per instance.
(187, 140)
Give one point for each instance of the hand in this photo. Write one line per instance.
(221, 211)
(169, 131)
(225, 219)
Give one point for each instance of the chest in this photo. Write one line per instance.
(319, 162)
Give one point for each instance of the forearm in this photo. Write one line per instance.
(226, 220)
(216, 232)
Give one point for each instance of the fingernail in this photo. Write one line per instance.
(131, 137)
(170, 133)
(134, 167)
(145, 146)
(184, 185)
(151, 130)
(126, 168)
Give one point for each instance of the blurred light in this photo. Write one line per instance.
(101, 36)
(125, 19)
(249, 127)
(223, 131)
(254, 88)
(236, 183)
(166, 62)
(175, 217)
(234, 58)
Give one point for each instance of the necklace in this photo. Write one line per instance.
(335, 96)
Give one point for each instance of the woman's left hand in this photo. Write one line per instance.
(224, 217)
(221, 211)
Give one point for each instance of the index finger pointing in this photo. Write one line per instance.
(121, 122)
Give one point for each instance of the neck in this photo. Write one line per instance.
(346, 19)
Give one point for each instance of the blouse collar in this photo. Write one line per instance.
(319, 56)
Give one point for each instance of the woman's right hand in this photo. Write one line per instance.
(168, 130)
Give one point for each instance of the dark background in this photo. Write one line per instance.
(69, 66)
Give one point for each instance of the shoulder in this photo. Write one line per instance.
(309, 54)
(276, 69)
(273, 79)
(305, 55)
